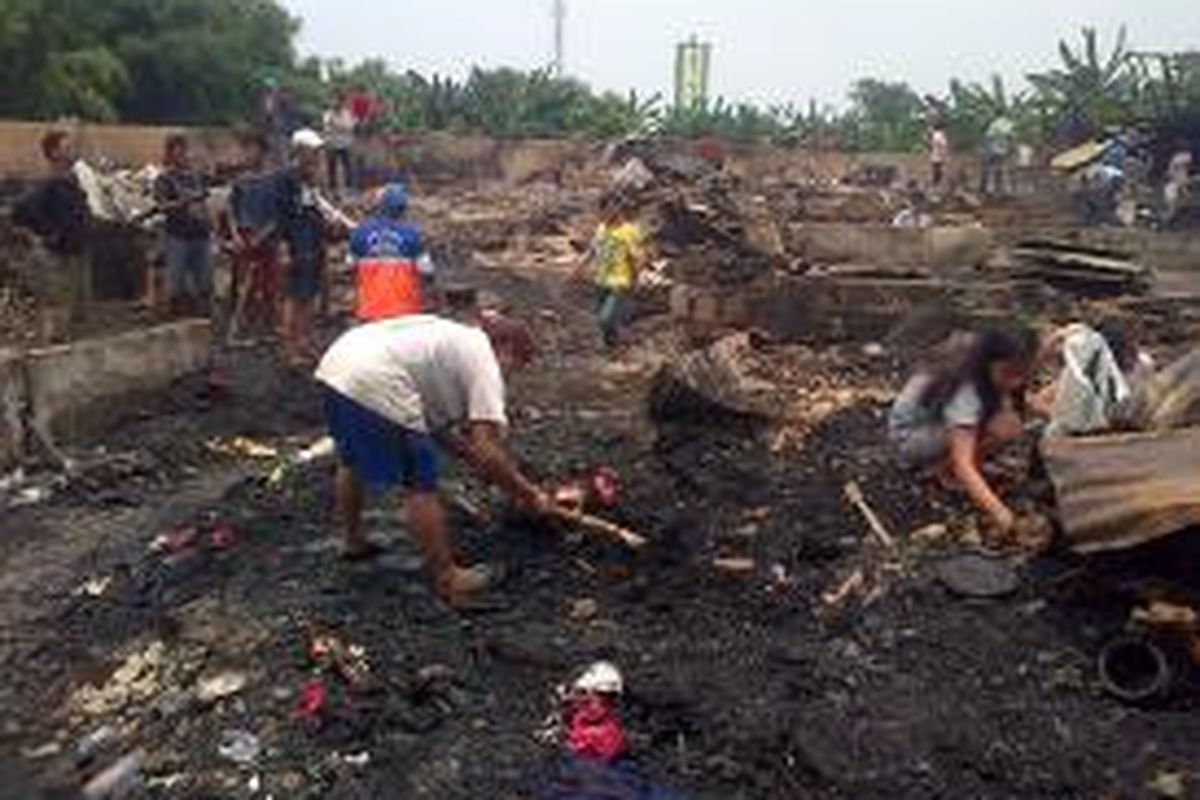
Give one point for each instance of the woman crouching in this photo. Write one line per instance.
(950, 416)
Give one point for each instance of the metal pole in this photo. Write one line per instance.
(560, 16)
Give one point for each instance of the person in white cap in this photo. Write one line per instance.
(305, 218)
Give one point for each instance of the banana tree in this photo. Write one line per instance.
(1087, 91)
(972, 107)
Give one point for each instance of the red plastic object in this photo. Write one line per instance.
(222, 537)
(593, 730)
(313, 699)
(606, 487)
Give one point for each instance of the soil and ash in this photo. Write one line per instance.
(739, 685)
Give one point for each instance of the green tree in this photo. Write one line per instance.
(186, 61)
(889, 116)
(1087, 91)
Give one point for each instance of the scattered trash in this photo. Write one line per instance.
(121, 781)
(240, 747)
(322, 449)
(312, 701)
(94, 587)
(358, 760)
(137, 679)
(218, 687)
(930, 534)
(583, 609)
(592, 728)
(874, 350)
(434, 673)
(222, 537)
(47, 750)
(780, 579)
(853, 584)
(600, 490)
(30, 496)
(738, 567)
(1133, 670)
(176, 541)
(90, 746)
(1172, 785)
(328, 653)
(978, 575)
(242, 446)
(601, 677)
(605, 486)
(854, 495)
(1161, 614)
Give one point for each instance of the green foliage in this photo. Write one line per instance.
(972, 107)
(1087, 92)
(207, 61)
(886, 116)
(179, 61)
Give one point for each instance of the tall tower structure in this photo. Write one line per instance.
(560, 21)
(693, 64)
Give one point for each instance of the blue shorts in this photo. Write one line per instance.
(303, 279)
(377, 450)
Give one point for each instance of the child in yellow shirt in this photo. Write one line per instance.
(618, 254)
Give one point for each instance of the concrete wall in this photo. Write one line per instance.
(895, 249)
(77, 388)
(12, 397)
(477, 156)
(125, 145)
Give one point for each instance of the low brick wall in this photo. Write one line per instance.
(12, 399)
(124, 145)
(74, 389)
(938, 249)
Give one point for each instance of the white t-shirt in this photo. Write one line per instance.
(339, 125)
(939, 146)
(423, 372)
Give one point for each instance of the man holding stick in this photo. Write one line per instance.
(393, 386)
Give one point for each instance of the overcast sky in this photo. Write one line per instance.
(764, 50)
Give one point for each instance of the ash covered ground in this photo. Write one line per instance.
(738, 685)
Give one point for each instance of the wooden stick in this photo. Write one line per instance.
(603, 527)
(855, 495)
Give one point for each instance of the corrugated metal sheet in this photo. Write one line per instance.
(1123, 490)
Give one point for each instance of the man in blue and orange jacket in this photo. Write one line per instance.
(392, 268)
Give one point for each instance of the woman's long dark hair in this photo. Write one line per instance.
(972, 364)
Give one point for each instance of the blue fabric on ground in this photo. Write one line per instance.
(580, 779)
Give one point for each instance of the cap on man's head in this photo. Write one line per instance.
(393, 200)
(307, 139)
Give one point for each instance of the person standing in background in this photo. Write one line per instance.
(254, 235)
(1179, 179)
(339, 126)
(392, 269)
(618, 254)
(997, 151)
(939, 155)
(181, 193)
(305, 219)
(57, 212)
